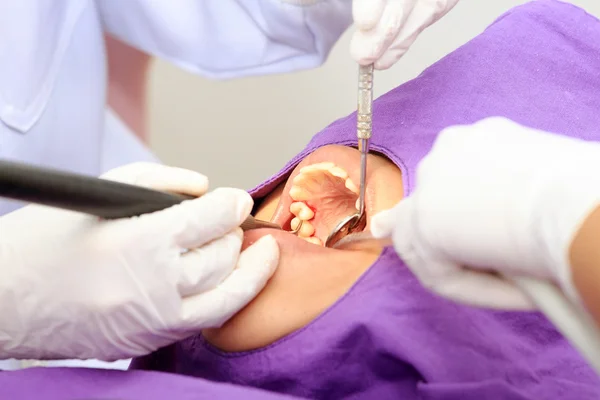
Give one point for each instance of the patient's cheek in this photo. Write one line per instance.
(304, 285)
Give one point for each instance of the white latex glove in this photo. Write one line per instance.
(494, 196)
(385, 29)
(73, 286)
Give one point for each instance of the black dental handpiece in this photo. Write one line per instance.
(89, 195)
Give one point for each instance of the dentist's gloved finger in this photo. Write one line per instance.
(404, 41)
(446, 278)
(130, 172)
(160, 177)
(384, 222)
(194, 223)
(204, 268)
(176, 180)
(393, 22)
(368, 46)
(361, 47)
(255, 266)
(412, 27)
(483, 289)
(452, 281)
(390, 57)
(367, 13)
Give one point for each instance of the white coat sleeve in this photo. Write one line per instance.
(223, 39)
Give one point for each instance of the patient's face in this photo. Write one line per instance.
(321, 191)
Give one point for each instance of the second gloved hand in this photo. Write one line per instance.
(385, 29)
(495, 199)
(73, 286)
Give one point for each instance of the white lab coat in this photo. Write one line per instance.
(53, 73)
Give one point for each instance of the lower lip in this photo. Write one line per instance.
(283, 238)
(251, 236)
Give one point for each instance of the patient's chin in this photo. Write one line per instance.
(308, 279)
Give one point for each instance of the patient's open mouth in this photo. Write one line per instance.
(320, 193)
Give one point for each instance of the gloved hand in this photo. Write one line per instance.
(387, 28)
(73, 286)
(494, 196)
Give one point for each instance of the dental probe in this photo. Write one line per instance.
(295, 231)
(574, 323)
(364, 116)
(364, 127)
(99, 197)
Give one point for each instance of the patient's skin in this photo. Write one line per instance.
(310, 278)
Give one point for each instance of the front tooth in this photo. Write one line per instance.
(300, 178)
(294, 224)
(308, 168)
(311, 181)
(338, 172)
(299, 194)
(323, 166)
(302, 211)
(314, 240)
(351, 186)
(306, 230)
(357, 204)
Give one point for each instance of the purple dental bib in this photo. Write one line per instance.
(388, 338)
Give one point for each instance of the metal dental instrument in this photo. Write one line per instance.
(295, 231)
(94, 196)
(251, 223)
(357, 222)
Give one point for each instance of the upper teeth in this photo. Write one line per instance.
(323, 166)
(351, 186)
(302, 211)
(311, 177)
(307, 229)
(337, 171)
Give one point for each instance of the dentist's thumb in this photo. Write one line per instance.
(385, 223)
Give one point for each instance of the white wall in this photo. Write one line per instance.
(240, 132)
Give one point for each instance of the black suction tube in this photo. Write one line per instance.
(75, 192)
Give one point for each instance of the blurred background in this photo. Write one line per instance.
(240, 132)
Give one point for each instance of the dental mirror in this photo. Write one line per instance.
(364, 115)
(350, 224)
